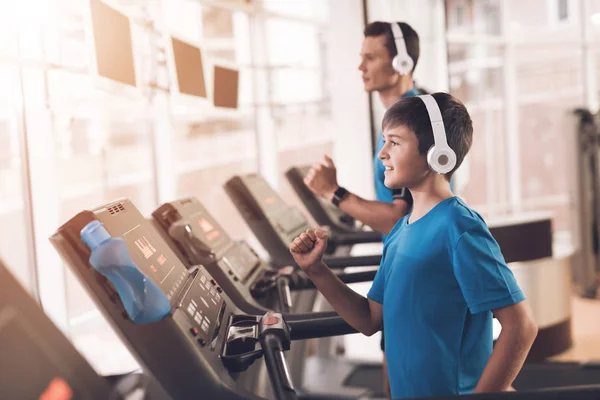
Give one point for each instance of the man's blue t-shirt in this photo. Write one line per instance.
(439, 279)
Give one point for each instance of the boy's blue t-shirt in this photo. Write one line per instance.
(439, 279)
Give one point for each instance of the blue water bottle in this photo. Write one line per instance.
(144, 301)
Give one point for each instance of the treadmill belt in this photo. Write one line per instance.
(532, 376)
(367, 376)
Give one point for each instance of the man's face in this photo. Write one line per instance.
(404, 165)
(376, 65)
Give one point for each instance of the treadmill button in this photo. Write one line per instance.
(202, 342)
(219, 290)
(194, 331)
(213, 282)
(270, 320)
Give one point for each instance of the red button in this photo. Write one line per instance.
(270, 320)
(194, 331)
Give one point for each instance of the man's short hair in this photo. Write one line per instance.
(411, 38)
(411, 113)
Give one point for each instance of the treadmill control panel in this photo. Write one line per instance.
(149, 252)
(238, 259)
(272, 221)
(204, 307)
(203, 226)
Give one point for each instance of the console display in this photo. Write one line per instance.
(203, 304)
(153, 262)
(241, 261)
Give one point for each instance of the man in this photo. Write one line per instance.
(389, 55)
(379, 75)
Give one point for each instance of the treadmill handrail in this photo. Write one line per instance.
(317, 328)
(279, 375)
(346, 277)
(351, 238)
(358, 261)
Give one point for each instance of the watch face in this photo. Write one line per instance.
(340, 193)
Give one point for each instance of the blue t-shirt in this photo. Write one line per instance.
(439, 279)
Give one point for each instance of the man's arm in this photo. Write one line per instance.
(363, 314)
(379, 215)
(511, 349)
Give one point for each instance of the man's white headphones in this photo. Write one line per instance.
(440, 157)
(402, 62)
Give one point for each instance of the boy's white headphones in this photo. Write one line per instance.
(440, 157)
(402, 62)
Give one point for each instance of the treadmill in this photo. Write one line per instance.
(323, 211)
(204, 327)
(38, 361)
(207, 359)
(276, 224)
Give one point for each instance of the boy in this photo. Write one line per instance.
(442, 275)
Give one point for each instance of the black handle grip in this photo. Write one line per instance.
(283, 388)
(358, 261)
(354, 277)
(318, 328)
(358, 237)
(283, 292)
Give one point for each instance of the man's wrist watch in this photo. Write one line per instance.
(339, 195)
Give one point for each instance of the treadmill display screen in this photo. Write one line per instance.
(241, 261)
(209, 230)
(142, 245)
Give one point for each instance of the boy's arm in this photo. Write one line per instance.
(511, 349)
(364, 315)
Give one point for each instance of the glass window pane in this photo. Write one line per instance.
(474, 17)
(300, 105)
(543, 18)
(14, 244)
(315, 10)
(476, 72)
(476, 77)
(550, 89)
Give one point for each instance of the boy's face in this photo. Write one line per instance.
(404, 166)
(376, 65)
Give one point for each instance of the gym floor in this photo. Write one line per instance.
(586, 331)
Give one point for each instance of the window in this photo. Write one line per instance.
(97, 134)
(14, 233)
(521, 90)
(470, 17)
